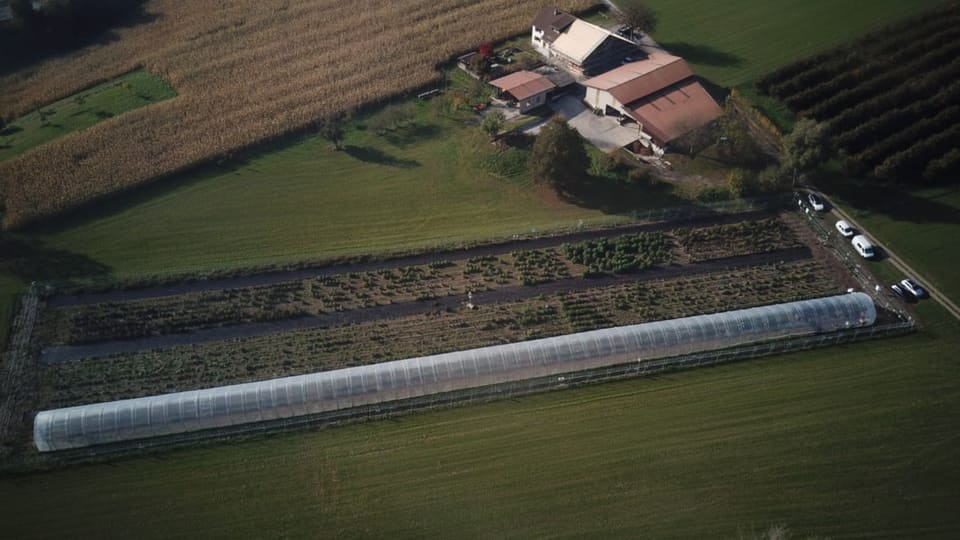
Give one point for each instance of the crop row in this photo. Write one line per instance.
(627, 253)
(889, 100)
(810, 70)
(736, 239)
(357, 290)
(228, 362)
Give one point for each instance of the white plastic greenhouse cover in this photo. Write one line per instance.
(289, 397)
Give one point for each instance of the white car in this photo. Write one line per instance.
(863, 246)
(816, 202)
(914, 289)
(845, 229)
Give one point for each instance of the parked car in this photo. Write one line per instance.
(816, 202)
(863, 246)
(897, 290)
(912, 287)
(845, 229)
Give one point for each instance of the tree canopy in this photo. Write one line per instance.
(559, 156)
(804, 148)
(638, 15)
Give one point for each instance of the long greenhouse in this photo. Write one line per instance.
(342, 389)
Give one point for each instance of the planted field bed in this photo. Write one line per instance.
(199, 366)
(731, 240)
(630, 253)
(891, 100)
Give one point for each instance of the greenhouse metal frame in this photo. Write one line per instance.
(290, 397)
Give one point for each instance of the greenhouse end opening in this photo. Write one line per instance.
(253, 404)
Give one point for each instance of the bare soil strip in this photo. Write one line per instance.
(270, 278)
(59, 354)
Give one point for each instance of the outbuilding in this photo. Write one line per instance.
(525, 90)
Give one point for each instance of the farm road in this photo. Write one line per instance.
(895, 259)
(69, 353)
(271, 278)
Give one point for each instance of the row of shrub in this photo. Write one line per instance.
(889, 101)
(627, 253)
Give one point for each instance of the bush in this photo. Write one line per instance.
(711, 194)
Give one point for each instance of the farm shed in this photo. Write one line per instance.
(659, 94)
(582, 48)
(525, 89)
(341, 389)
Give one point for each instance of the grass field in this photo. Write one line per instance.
(738, 41)
(409, 189)
(852, 441)
(82, 110)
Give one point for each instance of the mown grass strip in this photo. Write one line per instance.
(82, 110)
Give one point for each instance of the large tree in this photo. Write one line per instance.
(333, 128)
(638, 15)
(559, 156)
(804, 148)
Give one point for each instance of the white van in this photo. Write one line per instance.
(863, 246)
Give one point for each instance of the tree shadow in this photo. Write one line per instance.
(699, 53)
(411, 134)
(890, 200)
(370, 154)
(54, 38)
(621, 197)
(30, 261)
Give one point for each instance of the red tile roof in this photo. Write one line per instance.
(523, 84)
(675, 110)
(635, 80)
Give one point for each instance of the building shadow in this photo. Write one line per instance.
(706, 55)
(370, 154)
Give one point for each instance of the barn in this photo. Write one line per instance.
(659, 95)
(525, 90)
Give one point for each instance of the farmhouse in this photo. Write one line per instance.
(578, 46)
(524, 89)
(659, 94)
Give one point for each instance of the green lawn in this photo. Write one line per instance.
(735, 42)
(82, 110)
(851, 441)
(419, 186)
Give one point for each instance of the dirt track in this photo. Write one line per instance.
(54, 355)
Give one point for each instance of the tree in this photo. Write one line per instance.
(492, 123)
(638, 15)
(736, 145)
(333, 128)
(804, 148)
(559, 156)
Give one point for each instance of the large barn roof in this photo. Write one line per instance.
(580, 40)
(675, 110)
(523, 84)
(289, 397)
(635, 80)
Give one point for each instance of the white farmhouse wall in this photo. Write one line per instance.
(536, 38)
(600, 99)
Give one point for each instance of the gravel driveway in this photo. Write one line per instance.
(601, 131)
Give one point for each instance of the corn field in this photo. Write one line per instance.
(245, 72)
